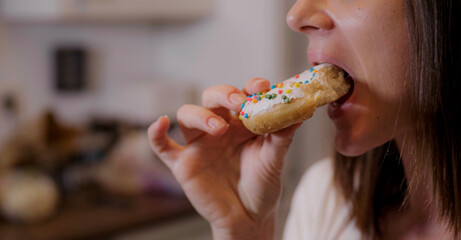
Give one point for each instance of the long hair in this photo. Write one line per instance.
(375, 182)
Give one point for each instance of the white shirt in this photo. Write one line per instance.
(318, 211)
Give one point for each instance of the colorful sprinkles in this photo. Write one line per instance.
(276, 91)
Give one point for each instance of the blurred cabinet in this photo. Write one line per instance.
(103, 10)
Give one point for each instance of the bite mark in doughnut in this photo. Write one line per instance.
(293, 100)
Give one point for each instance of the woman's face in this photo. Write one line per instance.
(367, 38)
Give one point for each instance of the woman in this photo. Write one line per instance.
(395, 175)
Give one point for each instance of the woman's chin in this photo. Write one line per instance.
(349, 148)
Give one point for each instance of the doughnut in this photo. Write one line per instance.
(28, 196)
(293, 100)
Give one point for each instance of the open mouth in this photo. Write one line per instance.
(344, 98)
(350, 80)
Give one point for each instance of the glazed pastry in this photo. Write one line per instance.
(28, 196)
(293, 100)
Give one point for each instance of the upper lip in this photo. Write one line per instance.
(316, 58)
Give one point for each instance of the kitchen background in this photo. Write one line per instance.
(80, 81)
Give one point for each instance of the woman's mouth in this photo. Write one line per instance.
(344, 98)
(338, 108)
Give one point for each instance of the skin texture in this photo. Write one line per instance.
(369, 40)
(354, 33)
(232, 177)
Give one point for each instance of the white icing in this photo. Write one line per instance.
(265, 104)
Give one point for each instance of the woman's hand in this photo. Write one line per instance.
(231, 176)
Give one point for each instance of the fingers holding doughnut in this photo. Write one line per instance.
(293, 100)
(256, 85)
(196, 121)
(225, 96)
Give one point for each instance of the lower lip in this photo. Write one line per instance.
(337, 109)
(335, 112)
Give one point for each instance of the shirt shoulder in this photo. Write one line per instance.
(318, 210)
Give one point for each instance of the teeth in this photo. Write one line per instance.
(334, 104)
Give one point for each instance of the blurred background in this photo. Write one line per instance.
(80, 82)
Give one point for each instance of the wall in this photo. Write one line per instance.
(239, 41)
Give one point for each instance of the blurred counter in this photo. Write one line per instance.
(84, 182)
(102, 219)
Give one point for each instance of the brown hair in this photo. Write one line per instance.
(375, 182)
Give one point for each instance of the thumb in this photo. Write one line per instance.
(284, 136)
(276, 146)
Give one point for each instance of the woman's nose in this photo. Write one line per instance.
(309, 16)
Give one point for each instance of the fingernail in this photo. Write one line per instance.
(215, 123)
(259, 80)
(237, 98)
(158, 119)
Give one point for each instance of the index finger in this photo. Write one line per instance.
(256, 85)
(226, 96)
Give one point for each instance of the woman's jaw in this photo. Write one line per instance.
(362, 116)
